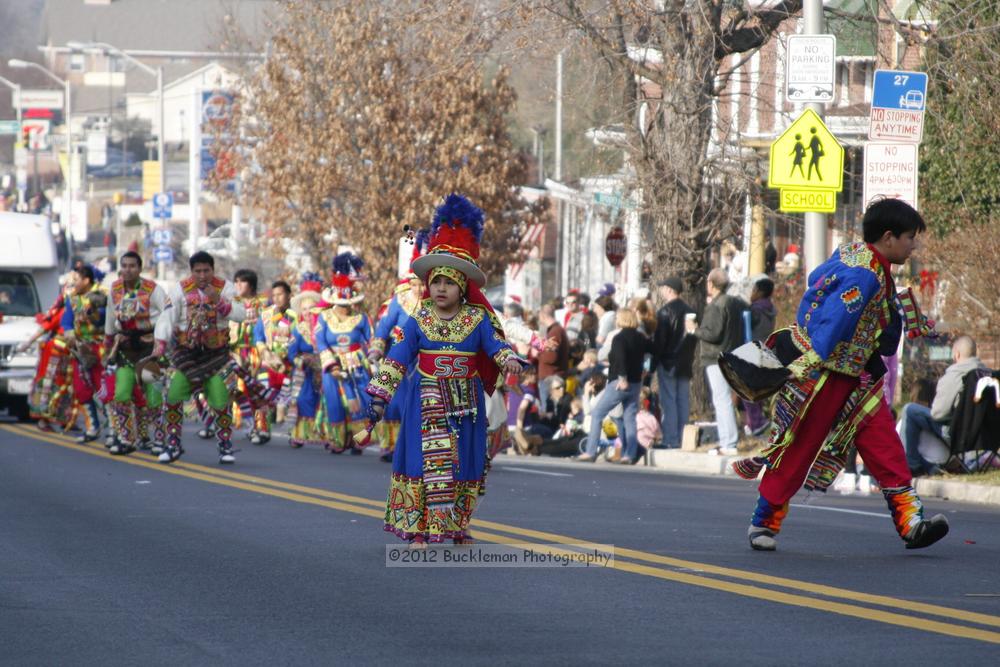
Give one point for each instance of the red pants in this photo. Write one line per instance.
(877, 442)
(85, 392)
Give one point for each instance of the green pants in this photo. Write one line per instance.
(215, 390)
(125, 380)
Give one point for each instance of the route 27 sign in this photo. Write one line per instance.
(898, 102)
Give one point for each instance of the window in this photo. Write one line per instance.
(18, 297)
(76, 62)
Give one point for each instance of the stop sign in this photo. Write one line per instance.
(614, 246)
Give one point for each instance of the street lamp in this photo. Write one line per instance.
(17, 108)
(70, 194)
(158, 73)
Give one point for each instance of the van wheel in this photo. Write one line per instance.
(18, 408)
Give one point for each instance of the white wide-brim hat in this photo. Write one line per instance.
(330, 296)
(297, 300)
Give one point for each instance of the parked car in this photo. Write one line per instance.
(113, 156)
(118, 170)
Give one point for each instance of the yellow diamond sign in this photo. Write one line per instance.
(807, 158)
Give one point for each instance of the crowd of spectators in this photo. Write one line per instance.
(614, 380)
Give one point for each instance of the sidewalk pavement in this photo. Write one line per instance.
(701, 463)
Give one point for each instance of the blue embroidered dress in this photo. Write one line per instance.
(342, 343)
(398, 311)
(440, 460)
(310, 422)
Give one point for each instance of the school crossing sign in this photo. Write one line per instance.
(807, 165)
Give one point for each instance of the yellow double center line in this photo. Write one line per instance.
(826, 598)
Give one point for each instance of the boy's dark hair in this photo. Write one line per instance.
(583, 299)
(86, 271)
(764, 287)
(891, 215)
(201, 257)
(516, 309)
(134, 255)
(248, 276)
(606, 302)
(283, 285)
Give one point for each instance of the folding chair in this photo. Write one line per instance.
(975, 424)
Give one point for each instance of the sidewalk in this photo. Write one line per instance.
(699, 463)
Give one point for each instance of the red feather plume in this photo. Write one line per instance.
(457, 235)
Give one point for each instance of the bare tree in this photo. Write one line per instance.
(365, 115)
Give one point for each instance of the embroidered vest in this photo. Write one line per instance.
(203, 325)
(131, 308)
(87, 320)
(278, 329)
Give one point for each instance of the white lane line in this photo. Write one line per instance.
(838, 509)
(536, 472)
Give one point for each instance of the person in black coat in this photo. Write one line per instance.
(628, 351)
(674, 356)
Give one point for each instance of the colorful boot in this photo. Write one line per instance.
(224, 433)
(908, 517)
(174, 413)
(766, 524)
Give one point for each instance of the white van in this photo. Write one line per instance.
(29, 284)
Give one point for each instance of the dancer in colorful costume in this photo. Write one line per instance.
(83, 324)
(273, 335)
(342, 337)
(848, 315)
(50, 399)
(408, 295)
(197, 316)
(438, 470)
(134, 306)
(310, 419)
(247, 356)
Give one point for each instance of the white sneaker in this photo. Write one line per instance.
(728, 451)
(845, 483)
(864, 484)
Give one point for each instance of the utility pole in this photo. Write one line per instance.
(815, 223)
(557, 169)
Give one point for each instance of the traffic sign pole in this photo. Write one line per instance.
(815, 223)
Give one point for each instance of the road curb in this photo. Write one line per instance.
(675, 461)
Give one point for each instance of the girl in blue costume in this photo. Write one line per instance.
(392, 316)
(458, 346)
(342, 337)
(310, 419)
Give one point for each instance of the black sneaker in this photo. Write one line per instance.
(145, 445)
(226, 455)
(88, 437)
(927, 532)
(206, 433)
(119, 448)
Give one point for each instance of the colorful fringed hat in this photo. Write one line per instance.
(344, 290)
(310, 286)
(454, 240)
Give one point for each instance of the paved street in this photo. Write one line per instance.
(280, 559)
